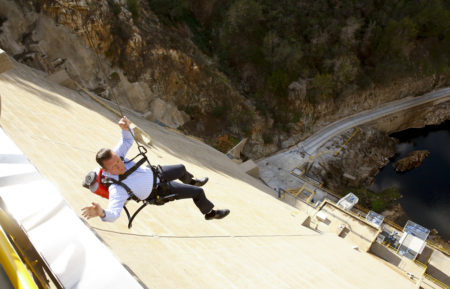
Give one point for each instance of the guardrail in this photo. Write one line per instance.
(27, 254)
(12, 264)
(425, 266)
(420, 263)
(295, 193)
(436, 281)
(387, 221)
(436, 247)
(347, 141)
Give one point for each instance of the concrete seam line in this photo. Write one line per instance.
(204, 236)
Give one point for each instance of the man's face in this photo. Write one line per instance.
(114, 165)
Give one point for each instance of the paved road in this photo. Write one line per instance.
(311, 144)
(275, 169)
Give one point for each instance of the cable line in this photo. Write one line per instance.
(141, 148)
(206, 236)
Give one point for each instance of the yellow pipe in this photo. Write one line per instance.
(348, 140)
(17, 273)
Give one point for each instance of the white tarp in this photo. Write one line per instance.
(76, 256)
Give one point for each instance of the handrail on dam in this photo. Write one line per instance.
(435, 281)
(25, 265)
(297, 191)
(347, 141)
(15, 269)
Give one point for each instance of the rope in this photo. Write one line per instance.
(204, 236)
(141, 148)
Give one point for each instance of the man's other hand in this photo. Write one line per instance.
(92, 211)
(124, 123)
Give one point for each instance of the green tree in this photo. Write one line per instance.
(324, 83)
(244, 16)
(378, 205)
(346, 69)
(172, 10)
(281, 53)
(134, 8)
(278, 83)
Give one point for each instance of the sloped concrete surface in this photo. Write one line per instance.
(261, 244)
(75, 255)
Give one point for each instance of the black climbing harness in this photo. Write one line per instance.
(154, 198)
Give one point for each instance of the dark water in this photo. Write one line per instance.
(426, 189)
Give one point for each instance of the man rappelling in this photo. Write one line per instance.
(125, 179)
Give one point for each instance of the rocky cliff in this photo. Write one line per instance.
(153, 70)
(157, 70)
(329, 111)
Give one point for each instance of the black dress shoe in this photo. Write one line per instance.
(199, 182)
(217, 214)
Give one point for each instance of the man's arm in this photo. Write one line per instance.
(117, 198)
(127, 139)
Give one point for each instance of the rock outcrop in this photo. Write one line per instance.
(158, 71)
(5, 62)
(356, 163)
(153, 69)
(411, 161)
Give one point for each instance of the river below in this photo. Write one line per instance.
(426, 189)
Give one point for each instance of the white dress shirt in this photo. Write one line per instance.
(140, 181)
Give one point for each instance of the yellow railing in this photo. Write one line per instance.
(347, 141)
(390, 223)
(436, 247)
(420, 263)
(393, 224)
(16, 270)
(34, 265)
(429, 277)
(387, 245)
(435, 281)
(297, 191)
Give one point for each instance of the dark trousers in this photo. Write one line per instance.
(184, 190)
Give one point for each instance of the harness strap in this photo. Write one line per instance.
(151, 199)
(123, 185)
(129, 172)
(156, 174)
(132, 169)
